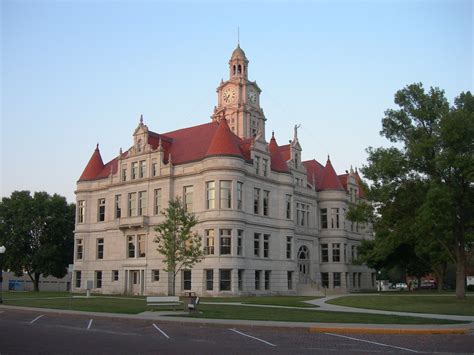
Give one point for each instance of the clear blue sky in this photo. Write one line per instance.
(75, 73)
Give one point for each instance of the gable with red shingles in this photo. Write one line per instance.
(314, 172)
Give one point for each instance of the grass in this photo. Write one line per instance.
(443, 304)
(302, 315)
(289, 301)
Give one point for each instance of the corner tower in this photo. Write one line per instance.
(238, 99)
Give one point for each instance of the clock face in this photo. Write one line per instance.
(228, 95)
(252, 96)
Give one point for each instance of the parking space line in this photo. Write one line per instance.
(162, 332)
(34, 320)
(89, 326)
(249, 336)
(372, 342)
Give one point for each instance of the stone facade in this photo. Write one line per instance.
(270, 223)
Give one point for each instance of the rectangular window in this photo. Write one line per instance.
(325, 279)
(157, 201)
(98, 279)
(79, 249)
(209, 244)
(124, 173)
(186, 280)
(225, 280)
(115, 275)
(118, 206)
(240, 235)
(336, 252)
(354, 276)
(302, 214)
(155, 275)
(324, 253)
(256, 201)
(142, 171)
(324, 218)
(289, 247)
(353, 253)
(101, 210)
(240, 276)
(334, 217)
(132, 204)
(265, 167)
(142, 204)
(359, 278)
(100, 248)
(188, 198)
(266, 245)
(209, 280)
(336, 281)
(266, 202)
(345, 254)
(78, 279)
(256, 244)
(288, 207)
(290, 279)
(131, 246)
(210, 195)
(267, 279)
(225, 194)
(134, 170)
(240, 192)
(225, 241)
(257, 279)
(141, 245)
(81, 211)
(257, 165)
(154, 169)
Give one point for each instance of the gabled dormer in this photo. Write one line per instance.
(140, 139)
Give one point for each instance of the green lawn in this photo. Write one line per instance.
(302, 315)
(443, 304)
(290, 301)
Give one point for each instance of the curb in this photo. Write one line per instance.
(386, 331)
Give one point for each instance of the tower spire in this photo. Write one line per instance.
(238, 36)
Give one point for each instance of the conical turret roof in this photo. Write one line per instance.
(93, 167)
(330, 181)
(277, 163)
(224, 142)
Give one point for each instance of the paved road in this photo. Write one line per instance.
(34, 332)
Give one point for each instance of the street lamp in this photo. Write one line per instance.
(2, 251)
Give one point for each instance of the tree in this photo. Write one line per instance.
(423, 189)
(37, 232)
(180, 246)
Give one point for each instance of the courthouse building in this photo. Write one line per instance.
(270, 223)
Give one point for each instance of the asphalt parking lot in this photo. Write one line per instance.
(34, 332)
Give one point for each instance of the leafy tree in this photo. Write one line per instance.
(180, 246)
(37, 232)
(423, 188)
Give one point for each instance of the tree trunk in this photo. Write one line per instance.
(36, 281)
(460, 279)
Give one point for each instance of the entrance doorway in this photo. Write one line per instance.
(135, 282)
(303, 264)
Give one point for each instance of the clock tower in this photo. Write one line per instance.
(239, 99)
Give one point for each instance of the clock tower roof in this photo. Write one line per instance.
(238, 53)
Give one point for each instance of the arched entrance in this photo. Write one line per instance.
(303, 264)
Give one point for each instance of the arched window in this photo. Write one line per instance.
(239, 69)
(234, 70)
(303, 253)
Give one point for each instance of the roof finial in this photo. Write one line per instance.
(160, 146)
(238, 36)
(97, 146)
(120, 152)
(329, 159)
(295, 138)
(141, 119)
(273, 134)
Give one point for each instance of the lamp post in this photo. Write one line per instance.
(2, 251)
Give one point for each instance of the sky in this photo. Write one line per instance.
(78, 73)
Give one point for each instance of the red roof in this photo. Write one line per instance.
(224, 142)
(314, 172)
(329, 180)
(343, 180)
(94, 167)
(277, 162)
(285, 151)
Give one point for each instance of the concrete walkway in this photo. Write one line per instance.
(323, 306)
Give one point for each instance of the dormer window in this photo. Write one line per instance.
(296, 160)
(139, 145)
